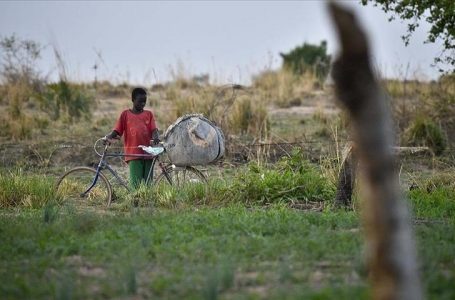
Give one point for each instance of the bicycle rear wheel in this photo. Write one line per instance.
(181, 176)
(72, 185)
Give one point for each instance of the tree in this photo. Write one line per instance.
(312, 58)
(21, 82)
(391, 253)
(440, 14)
(19, 75)
(18, 61)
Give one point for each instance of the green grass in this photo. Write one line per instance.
(433, 197)
(437, 203)
(231, 252)
(20, 190)
(227, 253)
(291, 180)
(236, 238)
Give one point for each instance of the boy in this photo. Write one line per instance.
(138, 127)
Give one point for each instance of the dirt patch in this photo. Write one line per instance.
(111, 106)
(85, 268)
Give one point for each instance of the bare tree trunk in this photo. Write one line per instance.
(391, 253)
(346, 180)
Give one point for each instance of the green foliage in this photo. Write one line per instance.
(225, 253)
(436, 204)
(424, 132)
(291, 180)
(434, 197)
(440, 14)
(66, 100)
(184, 254)
(19, 190)
(308, 58)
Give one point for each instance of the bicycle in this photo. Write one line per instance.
(92, 184)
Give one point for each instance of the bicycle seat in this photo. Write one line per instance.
(152, 150)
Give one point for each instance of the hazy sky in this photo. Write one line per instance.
(143, 41)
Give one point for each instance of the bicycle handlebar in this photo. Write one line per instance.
(106, 146)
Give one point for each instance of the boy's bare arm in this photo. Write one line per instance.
(114, 134)
(111, 136)
(155, 136)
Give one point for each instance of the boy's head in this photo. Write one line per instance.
(139, 98)
(138, 92)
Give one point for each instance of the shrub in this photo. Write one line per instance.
(424, 132)
(292, 180)
(19, 61)
(66, 100)
(18, 72)
(19, 128)
(308, 58)
(236, 112)
(249, 118)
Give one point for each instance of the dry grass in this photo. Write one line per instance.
(282, 88)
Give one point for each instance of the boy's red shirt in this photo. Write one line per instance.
(136, 130)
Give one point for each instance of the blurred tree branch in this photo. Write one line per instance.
(440, 14)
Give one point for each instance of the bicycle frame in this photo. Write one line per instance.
(104, 165)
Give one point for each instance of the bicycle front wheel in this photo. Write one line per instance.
(181, 176)
(74, 186)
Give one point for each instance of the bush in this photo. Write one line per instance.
(424, 132)
(292, 180)
(232, 109)
(19, 61)
(19, 128)
(308, 58)
(249, 118)
(66, 100)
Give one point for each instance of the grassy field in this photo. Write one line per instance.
(232, 252)
(265, 227)
(239, 239)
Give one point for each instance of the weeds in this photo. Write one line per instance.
(19, 190)
(291, 181)
(235, 112)
(282, 88)
(434, 197)
(231, 252)
(426, 107)
(424, 132)
(66, 101)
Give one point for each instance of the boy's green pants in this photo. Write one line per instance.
(139, 170)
